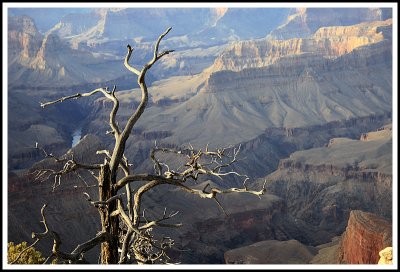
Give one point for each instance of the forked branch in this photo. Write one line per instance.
(120, 143)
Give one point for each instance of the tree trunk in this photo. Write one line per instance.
(109, 249)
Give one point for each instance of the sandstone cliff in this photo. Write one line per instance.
(365, 236)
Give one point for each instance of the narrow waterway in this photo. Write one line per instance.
(76, 136)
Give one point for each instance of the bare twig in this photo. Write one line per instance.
(102, 203)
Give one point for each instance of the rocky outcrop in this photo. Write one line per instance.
(271, 252)
(366, 235)
(386, 256)
(380, 133)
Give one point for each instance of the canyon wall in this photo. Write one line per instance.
(329, 42)
(365, 236)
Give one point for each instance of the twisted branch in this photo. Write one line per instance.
(120, 143)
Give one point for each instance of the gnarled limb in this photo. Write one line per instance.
(120, 143)
(124, 237)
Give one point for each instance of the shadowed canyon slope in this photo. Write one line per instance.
(327, 188)
(322, 185)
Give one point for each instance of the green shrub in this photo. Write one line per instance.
(30, 256)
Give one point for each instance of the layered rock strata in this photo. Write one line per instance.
(366, 236)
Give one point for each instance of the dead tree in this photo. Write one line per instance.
(118, 204)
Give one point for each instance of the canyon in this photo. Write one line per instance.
(307, 98)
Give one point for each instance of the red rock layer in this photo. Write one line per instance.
(366, 234)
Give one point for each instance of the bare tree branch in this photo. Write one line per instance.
(126, 62)
(125, 237)
(106, 93)
(120, 143)
(69, 167)
(77, 255)
(102, 203)
(75, 96)
(152, 223)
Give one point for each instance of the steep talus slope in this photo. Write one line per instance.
(365, 236)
